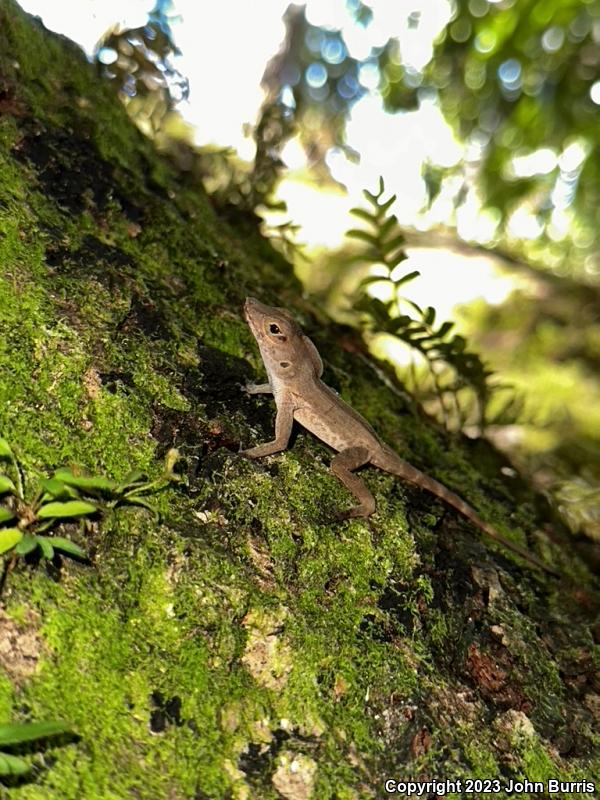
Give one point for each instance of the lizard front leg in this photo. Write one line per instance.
(283, 429)
(342, 467)
(258, 388)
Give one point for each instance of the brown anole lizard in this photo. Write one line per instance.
(294, 368)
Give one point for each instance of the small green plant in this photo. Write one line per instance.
(14, 735)
(66, 496)
(23, 522)
(451, 366)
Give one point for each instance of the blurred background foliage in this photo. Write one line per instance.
(517, 83)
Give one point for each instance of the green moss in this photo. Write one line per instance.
(120, 337)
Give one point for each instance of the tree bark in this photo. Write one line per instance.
(244, 645)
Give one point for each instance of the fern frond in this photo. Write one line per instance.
(384, 244)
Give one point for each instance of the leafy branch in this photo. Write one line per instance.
(450, 364)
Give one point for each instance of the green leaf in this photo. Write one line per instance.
(171, 460)
(57, 489)
(396, 324)
(9, 537)
(5, 451)
(388, 226)
(444, 328)
(429, 316)
(89, 483)
(364, 215)
(397, 241)
(369, 238)
(410, 276)
(385, 206)
(372, 198)
(393, 261)
(6, 485)
(65, 546)
(45, 547)
(135, 478)
(72, 508)
(13, 765)
(139, 501)
(27, 544)
(6, 514)
(373, 279)
(416, 307)
(20, 732)
(370, 255)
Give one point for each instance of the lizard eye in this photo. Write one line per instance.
(274, 328)
(284, 364)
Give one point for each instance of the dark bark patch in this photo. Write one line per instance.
(92, 258)
(114, 381)
(70, 170)
(217, 382)
(10, 104)
(257, 761)
(175, 428)
(145, 316)
(165, 711)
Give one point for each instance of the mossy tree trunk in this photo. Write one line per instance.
(244, 645)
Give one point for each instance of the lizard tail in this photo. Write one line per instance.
(409, 473)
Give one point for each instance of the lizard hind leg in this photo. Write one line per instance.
(342, 467)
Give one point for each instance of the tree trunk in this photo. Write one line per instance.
(244, 644)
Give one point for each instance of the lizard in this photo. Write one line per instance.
(294, 368)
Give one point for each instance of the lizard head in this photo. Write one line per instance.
(283, 346)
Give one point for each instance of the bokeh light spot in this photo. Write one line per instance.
(316, 75)
(478, 8)
(553, 39)
(538, 162)
(460, 30)
(287, 97)
(347, 87)
(368, 75)
(106, 55)
(333, 51)
(509, 71)
(485, 41)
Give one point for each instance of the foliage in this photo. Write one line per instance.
(64, 497)
(283, 239)
(311, 84)
(18, 734)
(514, 77)
(24, 522)
(316, 79)
(578, 501)
(383, 243)
(232, 182)
(138, 60)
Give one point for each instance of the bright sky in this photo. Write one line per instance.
(392, 145)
